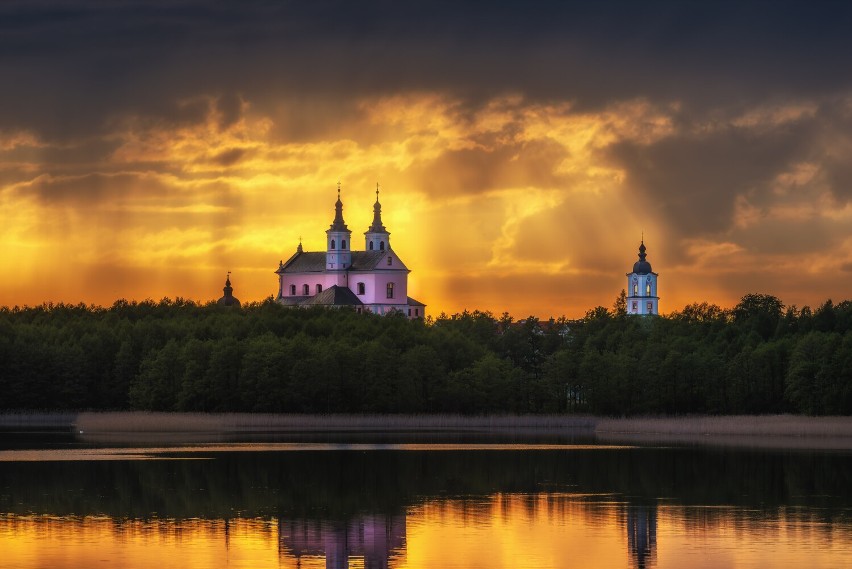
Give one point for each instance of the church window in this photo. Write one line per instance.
(409, 313)
(650, 307)
(371, 245)
(390, 260)
(292, 290)
(306, 290)
(332, 243)
(390, 290)
(319, 288)
(360, 288)
(648, 289)
(417, 312)
(343, 244)
(635, 289)
(635, 306)
(381, 245)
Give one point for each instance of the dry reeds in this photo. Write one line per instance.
(257, 422)
(740, 425)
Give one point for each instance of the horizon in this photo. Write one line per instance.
(522, 151)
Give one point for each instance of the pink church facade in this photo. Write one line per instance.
(373, 280)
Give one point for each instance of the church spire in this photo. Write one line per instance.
(378, 226)
(338, 224)
(377, 236)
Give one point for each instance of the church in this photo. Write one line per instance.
(373, 280)
(642, 286)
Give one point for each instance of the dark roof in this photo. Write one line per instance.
(642, 267)
(412, 302)
(314, 262)
(334, 296)
(292, 300)
(228, 299)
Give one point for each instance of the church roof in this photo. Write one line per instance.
(642, 267)
(315, 262)
(333, 296)
(228, 299)
(412, 302)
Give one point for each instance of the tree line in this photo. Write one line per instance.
(178, 355)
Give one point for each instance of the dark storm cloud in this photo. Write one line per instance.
(693, 180)
(70, 66)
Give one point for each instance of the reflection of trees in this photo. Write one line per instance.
(642, 536)
(378, 538)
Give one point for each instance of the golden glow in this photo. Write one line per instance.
(511, 206)
(499, 531)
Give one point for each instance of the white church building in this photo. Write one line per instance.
(642, 286)
(374, 280)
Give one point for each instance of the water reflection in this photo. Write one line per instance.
(376, 538)
(642, 536)
(446, 507)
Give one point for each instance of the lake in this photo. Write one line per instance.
(418, 501)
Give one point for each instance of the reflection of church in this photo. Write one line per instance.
(642, 536)
(377, 538)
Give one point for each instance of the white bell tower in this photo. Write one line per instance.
(642, 294)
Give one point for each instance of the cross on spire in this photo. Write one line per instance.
(377, 192)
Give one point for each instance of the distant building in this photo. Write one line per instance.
(642, 287)
(228, 299)
(373, 280)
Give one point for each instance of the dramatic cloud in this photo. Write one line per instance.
(148, 147)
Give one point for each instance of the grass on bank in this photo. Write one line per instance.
(145, 422)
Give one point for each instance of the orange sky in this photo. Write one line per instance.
(155, 180)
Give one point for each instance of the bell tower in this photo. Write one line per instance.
(642, 294)
(377, 237)
(338, 255)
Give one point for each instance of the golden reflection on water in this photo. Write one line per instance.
(499, 531)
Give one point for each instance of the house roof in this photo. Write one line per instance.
(333, 296)
(412, 302)
(314, 262)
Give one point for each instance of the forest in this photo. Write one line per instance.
(758, 357)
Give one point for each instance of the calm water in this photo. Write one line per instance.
(380, 502)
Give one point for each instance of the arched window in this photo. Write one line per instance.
(292, 290)
(390, 260)
(381, 245)
(390, 290)
(360, 288)
(306, 290)
(343, 244)
(635, 289)
(332, 243)
(319, 288)
(371, 245)
(648, 289)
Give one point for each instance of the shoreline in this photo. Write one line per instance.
(246, 423)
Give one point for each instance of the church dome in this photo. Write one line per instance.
(642, 267)
(228, 299)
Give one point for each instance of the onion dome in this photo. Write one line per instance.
(338, 224)
(642, 267)
(378, 226)
(228, 299)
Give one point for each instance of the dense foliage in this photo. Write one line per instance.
(759, 357)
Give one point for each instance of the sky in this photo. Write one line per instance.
(523, 149)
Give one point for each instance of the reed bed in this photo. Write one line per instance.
(740, 425)
(29, 420)
(258, 422)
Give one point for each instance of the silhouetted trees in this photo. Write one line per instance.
(758, 357)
